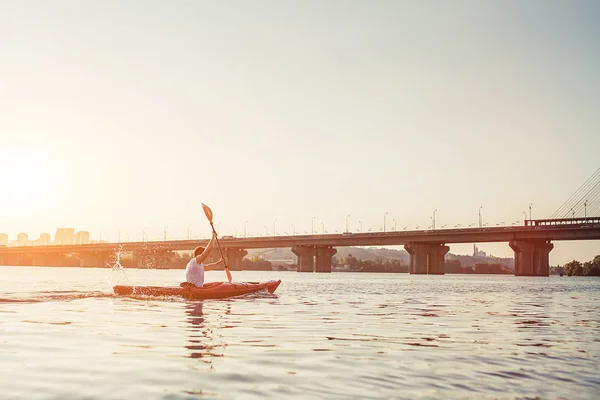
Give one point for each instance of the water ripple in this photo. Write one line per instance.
(342, 336)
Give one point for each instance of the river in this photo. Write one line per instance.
(63, 335)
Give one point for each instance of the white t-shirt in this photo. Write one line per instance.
(194, 272)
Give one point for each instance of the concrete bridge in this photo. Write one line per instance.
(531, 244)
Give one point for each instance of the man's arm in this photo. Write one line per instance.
(200, 258)
(213, 266)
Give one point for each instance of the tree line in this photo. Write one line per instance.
(357, 265)
(588, 268)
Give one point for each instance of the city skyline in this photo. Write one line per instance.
(62, 236)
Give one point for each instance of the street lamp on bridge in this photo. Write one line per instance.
(347, 216)
(585, 209)
(433, 219)
(275, 220)
(386, 213)
(480, 221)
(530, 211)
(323, 227)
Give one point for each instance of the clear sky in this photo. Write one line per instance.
(127, 114)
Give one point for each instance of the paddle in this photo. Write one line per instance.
(209, 215)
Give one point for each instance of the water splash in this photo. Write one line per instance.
(117, 275)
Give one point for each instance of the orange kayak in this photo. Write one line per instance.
(211, 290)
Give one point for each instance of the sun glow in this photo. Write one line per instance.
(28, 182)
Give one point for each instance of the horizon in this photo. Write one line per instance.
(126, 116)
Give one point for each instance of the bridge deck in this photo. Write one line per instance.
(578, 229)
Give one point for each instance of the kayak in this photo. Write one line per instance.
(211, 290)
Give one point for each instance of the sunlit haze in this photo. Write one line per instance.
(123, 116)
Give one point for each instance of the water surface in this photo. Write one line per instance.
(320, 336)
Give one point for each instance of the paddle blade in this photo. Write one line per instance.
(228, 274)
(208, 212)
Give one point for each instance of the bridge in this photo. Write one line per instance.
(531, 244)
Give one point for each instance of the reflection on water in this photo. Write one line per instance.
(205, 340)
(342, 336)
(196, 309)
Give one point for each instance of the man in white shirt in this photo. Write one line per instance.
(194, 271)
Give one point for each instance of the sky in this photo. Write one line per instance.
(121, 117)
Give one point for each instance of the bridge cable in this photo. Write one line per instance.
(587, 204)
(576, 205)
(592, 202)
(570, 203)
(594, 206)
(588, 192)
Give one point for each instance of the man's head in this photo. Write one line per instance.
(198, 250)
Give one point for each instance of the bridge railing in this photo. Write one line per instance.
(563, 221)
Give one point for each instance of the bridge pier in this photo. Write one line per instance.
(306, 257)
(54, 260)
(323, 258)
(10, 259)
(40, 260)
(532, 257)
(93, 259)
(234, 258)
(426, 258)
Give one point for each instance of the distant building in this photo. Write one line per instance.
(23, 239)
(44, 240)
(64, 236)
(82, 237)
(477, 253)
(3, 239)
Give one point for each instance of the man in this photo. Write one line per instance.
(194, 271)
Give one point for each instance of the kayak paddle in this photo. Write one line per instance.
(209, 215)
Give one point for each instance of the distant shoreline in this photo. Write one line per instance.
(252, 270)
